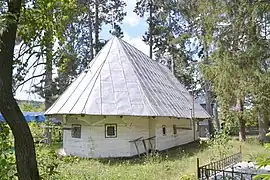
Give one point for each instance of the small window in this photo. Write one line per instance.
(76, 131)
(174, 129)
(110, 130)
(164, 130)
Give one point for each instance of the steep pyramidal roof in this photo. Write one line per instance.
(122, 80)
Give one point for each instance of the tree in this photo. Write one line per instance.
(41, 26)
(168, 37)
(142, 7)
(172, 32)
(82, 37)
(262, 100)
(24, 147)
(98, 13)
(261, 89)
(234, 29)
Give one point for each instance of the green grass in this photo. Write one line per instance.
(170, 165)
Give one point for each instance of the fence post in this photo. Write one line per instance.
(232, 172)
(240, 153)
(198, 168)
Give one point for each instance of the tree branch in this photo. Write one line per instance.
(32, 64)
(20, 54)
(36, 76)
(38, 64)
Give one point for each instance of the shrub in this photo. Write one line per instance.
(47, 158)
(48, 162)
(7, 155)
(38, 131)
(219, 146)
(264, 160)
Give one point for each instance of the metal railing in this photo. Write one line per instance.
(221, 167)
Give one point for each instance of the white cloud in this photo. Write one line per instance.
(131, 19)
(137, 42)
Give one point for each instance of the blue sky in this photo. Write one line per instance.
(133, 27)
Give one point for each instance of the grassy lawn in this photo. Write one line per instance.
(172, 164)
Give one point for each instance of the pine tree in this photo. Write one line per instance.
(168, 37)
(82, 37)
(239, 52)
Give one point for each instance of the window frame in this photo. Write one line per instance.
(174, 129)
(115, 130)
(73, 135)
(164, 130)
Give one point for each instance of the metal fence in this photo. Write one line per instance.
(220, 169)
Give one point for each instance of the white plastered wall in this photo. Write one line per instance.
(93, 142)
(169, 140)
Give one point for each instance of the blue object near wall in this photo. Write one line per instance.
(32, 116)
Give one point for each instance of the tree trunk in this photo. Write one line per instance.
(24, 146)
(96, 26)
(48, 83)
(150, 29)
(208, 105)
(90, 34)
(48, 71)
(216, 116)
(208, 98)
(242, 123)
(263, 122)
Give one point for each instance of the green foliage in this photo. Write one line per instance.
(177, 163)
(40, 35)
(219, 146)
(264, 160)
(47, 157)
(188, 177)
(237, 66)
(231, 125)
(48, 15)
(37, 131)
(28, 107)
(171, 37)
(173, 164)
(7, 155)
(48, 162)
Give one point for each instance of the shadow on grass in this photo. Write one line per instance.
(172, 154)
